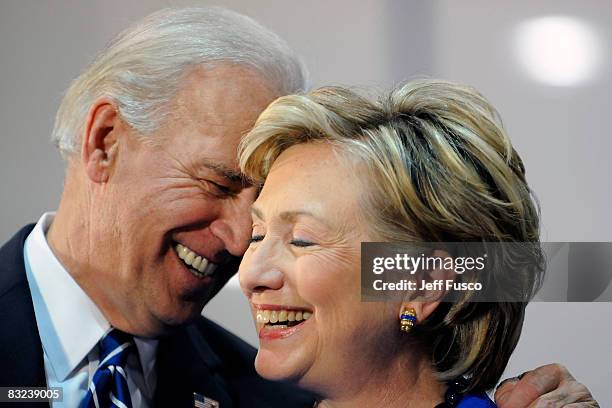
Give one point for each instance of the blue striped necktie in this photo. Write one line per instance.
(109, 386)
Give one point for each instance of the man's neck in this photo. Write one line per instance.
(72, 243)
(72, 237)
(67, 237)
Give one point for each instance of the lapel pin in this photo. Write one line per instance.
(200, 401)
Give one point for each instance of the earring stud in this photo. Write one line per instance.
(407, 319)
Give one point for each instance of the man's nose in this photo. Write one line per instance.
(233, 226)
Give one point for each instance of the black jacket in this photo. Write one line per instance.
(202, 357)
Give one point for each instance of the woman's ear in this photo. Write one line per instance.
(431, 288)
(100, 139)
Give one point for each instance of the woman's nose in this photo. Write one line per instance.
(258, 272)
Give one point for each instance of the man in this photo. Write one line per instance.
(103, 298)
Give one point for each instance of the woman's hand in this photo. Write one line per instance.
(551, 385)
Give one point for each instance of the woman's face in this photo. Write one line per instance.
(301, 273)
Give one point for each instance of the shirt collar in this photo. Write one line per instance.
(69, 322)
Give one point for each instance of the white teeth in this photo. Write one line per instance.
(263, 316)
(197, 262)
(273, 316)
(282, 316)
(279, 316)
(203, 264)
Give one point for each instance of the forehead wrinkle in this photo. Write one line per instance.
(290, 217)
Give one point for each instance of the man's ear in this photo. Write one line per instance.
(426, 301)
(100, 139)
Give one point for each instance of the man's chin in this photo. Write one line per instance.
(167, 323)
(207, 288)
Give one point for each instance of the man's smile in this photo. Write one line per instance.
(197, 264)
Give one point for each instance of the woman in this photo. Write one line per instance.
(428, 163)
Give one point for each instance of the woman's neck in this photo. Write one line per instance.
(400, 385)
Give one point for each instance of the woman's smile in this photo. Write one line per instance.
(279, 322)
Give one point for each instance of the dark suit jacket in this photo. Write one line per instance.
(202, 357)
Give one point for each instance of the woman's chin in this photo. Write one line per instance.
(274, 367)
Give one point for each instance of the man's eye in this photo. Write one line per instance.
(301, 243)
(256, 238)
(223, 190)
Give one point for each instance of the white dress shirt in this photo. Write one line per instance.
(71, 325)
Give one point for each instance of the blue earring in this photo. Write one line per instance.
(407, 319)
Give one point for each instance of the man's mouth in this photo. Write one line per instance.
(282, 318)
(197, 264)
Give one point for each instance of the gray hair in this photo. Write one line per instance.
(142, 68)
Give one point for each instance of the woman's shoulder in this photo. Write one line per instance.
(476, 401)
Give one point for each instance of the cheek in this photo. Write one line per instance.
(136, 204)
(159, 208)
(331, 286)
(326, 279)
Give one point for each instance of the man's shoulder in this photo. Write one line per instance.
(12, 269)
(20, 346)
(226, 345)
(220, 365)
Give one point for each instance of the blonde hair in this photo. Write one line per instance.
(440, 168)
(143, 67)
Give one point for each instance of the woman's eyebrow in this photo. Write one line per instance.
(291, 216)
(288, 216)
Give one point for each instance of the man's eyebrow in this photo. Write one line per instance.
(227, 173)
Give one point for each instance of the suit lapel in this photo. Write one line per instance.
(20, 346)
(186, 365)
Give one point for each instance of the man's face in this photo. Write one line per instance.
(165, 205)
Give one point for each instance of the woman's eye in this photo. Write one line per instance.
(301, 243)
(256, 238)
